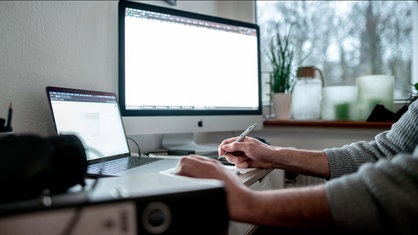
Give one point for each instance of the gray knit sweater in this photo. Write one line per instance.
(374, 185)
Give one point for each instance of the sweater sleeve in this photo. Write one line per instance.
(401, 138)
(379, 197)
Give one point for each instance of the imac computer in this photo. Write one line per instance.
(182, 73)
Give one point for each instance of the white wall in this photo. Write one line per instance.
(71, 44)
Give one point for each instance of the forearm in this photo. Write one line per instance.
(301, 207)
(308, 162)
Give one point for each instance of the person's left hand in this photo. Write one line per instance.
(201, 167)
(197, 166)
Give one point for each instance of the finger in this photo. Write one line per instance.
(195, 166)
(225, 142)
(187, 166)
(198, 157)
(236, 158)
(243, 164)
(228, 148)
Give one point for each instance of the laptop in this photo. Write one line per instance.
(94, 117)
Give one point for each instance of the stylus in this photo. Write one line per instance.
(241, 136)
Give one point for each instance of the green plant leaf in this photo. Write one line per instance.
(281, 55)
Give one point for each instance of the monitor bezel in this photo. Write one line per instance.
(121, 54)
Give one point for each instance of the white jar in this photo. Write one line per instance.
(306, 98)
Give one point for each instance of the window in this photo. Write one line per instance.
(345, 39)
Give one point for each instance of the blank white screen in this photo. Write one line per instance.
(174, 64)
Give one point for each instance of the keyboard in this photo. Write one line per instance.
(117, 165)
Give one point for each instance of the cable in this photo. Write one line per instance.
(137, 145)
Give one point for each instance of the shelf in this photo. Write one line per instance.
(325, 123)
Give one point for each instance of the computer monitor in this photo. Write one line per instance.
(182, 73)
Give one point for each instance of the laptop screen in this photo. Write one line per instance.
(93, 116)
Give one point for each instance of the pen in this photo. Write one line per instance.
(9, 118)
(242, 136)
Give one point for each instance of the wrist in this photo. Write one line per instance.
(284, 157)
(242, 206)
(309, 162)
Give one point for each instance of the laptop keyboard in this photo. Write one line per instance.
(117, 165)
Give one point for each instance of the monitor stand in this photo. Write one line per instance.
(186, 142)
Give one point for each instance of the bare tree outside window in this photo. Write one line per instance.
(345, 39)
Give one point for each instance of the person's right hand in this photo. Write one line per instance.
(249, 152)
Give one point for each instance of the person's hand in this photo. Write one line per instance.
(249, 152)
(202, 167)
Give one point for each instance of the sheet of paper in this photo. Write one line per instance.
(238, 171)
(171, 171)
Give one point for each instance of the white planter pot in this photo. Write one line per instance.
(281, 105)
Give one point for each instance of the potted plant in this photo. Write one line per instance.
(280, 54)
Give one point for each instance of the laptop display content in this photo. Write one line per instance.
(95, 118)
